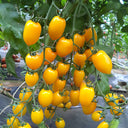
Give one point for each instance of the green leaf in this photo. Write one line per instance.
(109, 50)
(102, 85)
(42, 125)
(10, 62)
(63, 2)
(125, 29)
(114, 123)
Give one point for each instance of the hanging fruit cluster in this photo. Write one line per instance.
(64, 83)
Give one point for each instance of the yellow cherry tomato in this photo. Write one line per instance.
(60, 123)
(79, 59)
(83, 84)
(102, 62)
(74, 97)
(45, 97)
(68, 105)
(103, 124)
(37, 116)
(62, 68)
(49, 112)
(49, 55)
(78, 77)
(50, 75)
(19, 108)
(34, 61)
(31, 78)
(88, 53)
(111, 99)
(89, 109)
(116, 110)
(66, 99)
(57, 98)
(64, 47)
(31, 32)
(86, 95)
(89, 35)
(79, 41)
(13, 120)
(25, 95)
(61, 105)
(96, 116)
(56, 27)
(59, 85)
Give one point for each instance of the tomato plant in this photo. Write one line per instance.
(62, 44)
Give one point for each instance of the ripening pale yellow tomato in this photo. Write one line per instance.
(61, 105)
(79, 41)
(96, 116)
(79, 59)
(78, 77)
(64, 47)
(74, 97)
(111, 99)
(56, 27)
(62, 68)
(88, 53)
(13, 120)
(86, 95)
(49, 112)
(89, 35)
(50, 75)
(31, 78)
(34, 61)
(49, 55)
(31, 32)
(102, 62)
(59, 85)
(89, 109)
(57, 98)
(45, 97)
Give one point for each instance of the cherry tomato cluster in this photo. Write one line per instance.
(74, 52)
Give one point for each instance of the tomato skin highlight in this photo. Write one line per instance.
(31, 32)
(50, 75)
(86, 95)
(37, 116)
(64, 47)
(56, 27)
(102, 62)
(45, 97)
